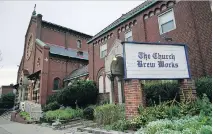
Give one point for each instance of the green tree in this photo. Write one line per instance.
(7, 100)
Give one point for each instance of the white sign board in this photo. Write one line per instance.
(155, 61)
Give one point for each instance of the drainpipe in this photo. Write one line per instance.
(93, 61)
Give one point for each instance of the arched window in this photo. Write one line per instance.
(101, 84)
(108, 84)
(79, 43)
(56, 83)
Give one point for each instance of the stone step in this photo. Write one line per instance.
(100, 131)
(74, 125)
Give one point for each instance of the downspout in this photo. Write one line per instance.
(93, 62)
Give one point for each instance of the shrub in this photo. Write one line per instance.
(88, 113)
(51, 106)
(25, 115)
(206, 129)
(84, 92)
(119, 125)
(204, 86)
(172, 111)
(63, 114)
(185, 125)
(51, 98)
(160, 92)
(109, 113)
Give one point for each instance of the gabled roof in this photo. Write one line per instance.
(124, 18)
(62, 51)
(49, 24)
(78, 73)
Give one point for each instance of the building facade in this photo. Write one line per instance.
(187, 22)
(51, 53)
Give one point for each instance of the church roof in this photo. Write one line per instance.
(78, 73)
(62, 51)
(124, 18)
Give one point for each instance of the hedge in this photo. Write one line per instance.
(51, 106)
(63, 114)
(204, 86)
(160, 92)
(80, 93)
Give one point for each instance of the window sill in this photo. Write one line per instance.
(55, 90)
(167, 31)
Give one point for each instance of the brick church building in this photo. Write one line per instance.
(52, 56)
(187, 22)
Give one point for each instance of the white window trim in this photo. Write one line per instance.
(127, 33)
(101, 90)
(101, 50)
(159, 25)
(80, 43)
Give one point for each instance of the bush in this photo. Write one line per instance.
(119, 125)
(109, 113)
(25, 115)
(185, 125)
(51, 98)
(88, 113)
(204, 86)
(160, 92)
(84, 92)
(63, 114)
(51, 106)
(171, 111)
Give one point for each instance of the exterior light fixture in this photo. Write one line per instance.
(114, 58)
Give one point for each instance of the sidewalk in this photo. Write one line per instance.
(8, 127)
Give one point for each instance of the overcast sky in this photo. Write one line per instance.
(88, 17)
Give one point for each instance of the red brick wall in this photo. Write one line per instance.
(7, 89)
(38, 55)
(52, 37)
(203, 25)
(62, 39)
(28, 64)
(72, 43)
(60, 68)
(193, 27)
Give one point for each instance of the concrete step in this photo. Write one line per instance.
(100, 131)
(74, 125)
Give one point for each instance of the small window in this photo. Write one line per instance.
(128, 36)
(166, 22)
(103, 50)
(56, 84)
(79, 53)
(78, 43)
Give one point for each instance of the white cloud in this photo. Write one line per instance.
(8, 75)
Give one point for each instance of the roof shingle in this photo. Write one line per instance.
(62, 51)
(77, 73)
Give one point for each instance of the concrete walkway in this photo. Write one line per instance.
(8, 127)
